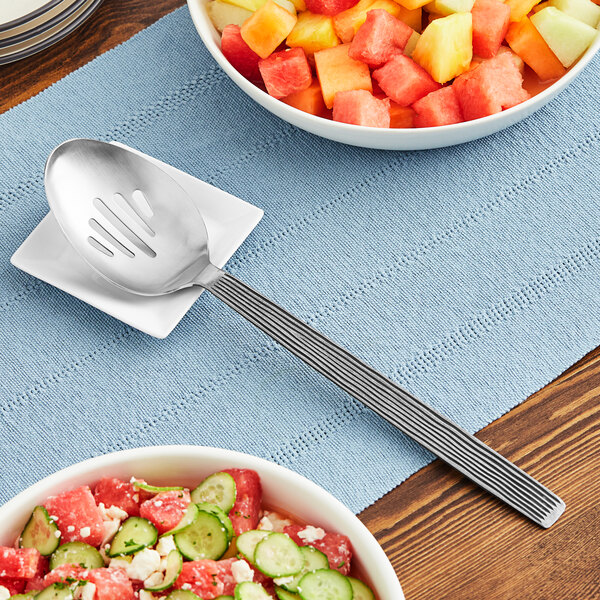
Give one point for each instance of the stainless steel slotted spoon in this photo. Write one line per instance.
(139, 229)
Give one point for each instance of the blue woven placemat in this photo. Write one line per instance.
(469, 275)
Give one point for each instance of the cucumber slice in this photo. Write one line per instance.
(40, 532)
(221, 515)
(134, 534)
(57, 591)
(206, 537)
(314, 559)
(191, 512)
(361, 590)
(174, 564)
(246, 543)
(183, 595)
(218, 489)
(76, 553)
(25, 596)
(285, 595)
(154, 489)
(278, 556)
(251, 591)
(224, 598)
(325, 584)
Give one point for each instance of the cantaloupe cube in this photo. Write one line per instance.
(526, 41)
(412, 4)
(309, 100)
(540, 6)
(449, 7)
(584, 10)
(338, 72)
(347, 23)
(445, 48)
(567, 37)
(313, 33)
(223, 14)
(519, 9)
(267, 28)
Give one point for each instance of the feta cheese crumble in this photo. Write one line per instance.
(87, 591)
(144, 563)
(311, 534)
(241, 571)
(165, 545)
(85, 532)
(4, 593)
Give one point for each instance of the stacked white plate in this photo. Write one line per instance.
(28, 26)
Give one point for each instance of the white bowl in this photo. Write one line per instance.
(187, 465)
(372, 137)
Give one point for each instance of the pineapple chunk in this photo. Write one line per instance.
(567, 37)
(337, 72)
(267, 28)
(347, 22)
(519, 9)
(223, 14)
(250, 5)
(584, 10)
(300, 5)
(313, 32)
(449, 7)
(445, 48)
(411, 44)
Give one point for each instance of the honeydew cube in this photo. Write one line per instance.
(519, 9)
(289, 6)
(449, 7)
(249, 5)
(223, 14)
(313, 32)
(267, 28)
(348, 22)
(337, 72)
(567, 37)
(412, 42)
(584, 10)
(445, 48)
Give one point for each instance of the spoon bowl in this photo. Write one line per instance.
(123, 215)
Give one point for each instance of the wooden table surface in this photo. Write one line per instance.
(446, 538)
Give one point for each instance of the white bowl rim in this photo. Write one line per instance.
(349, 522)
(401, 139)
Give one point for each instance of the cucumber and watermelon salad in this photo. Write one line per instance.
(131, 540)
(404, 63)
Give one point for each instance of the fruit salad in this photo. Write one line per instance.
(129, 540)
(403, 63)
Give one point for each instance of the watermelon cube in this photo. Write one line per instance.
(246, 511)
(438, 108)
(64, 573)
(360, 107)
(166, 509)
(404, 81)
(379, 38)
(338, 72)
(19, 562)
(239, 54)
(309, 100)
(207, 578)
(77, 516)
(335, 546)
(267, 28)
(491, 19)
(329, 7)
(111, 491)
(495, 84)
(111, 584)
(286, 72)
(14, 585)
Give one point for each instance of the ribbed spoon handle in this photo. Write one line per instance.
(416, 419)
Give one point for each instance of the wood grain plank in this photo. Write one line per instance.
(449, 540)
(114, 22)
